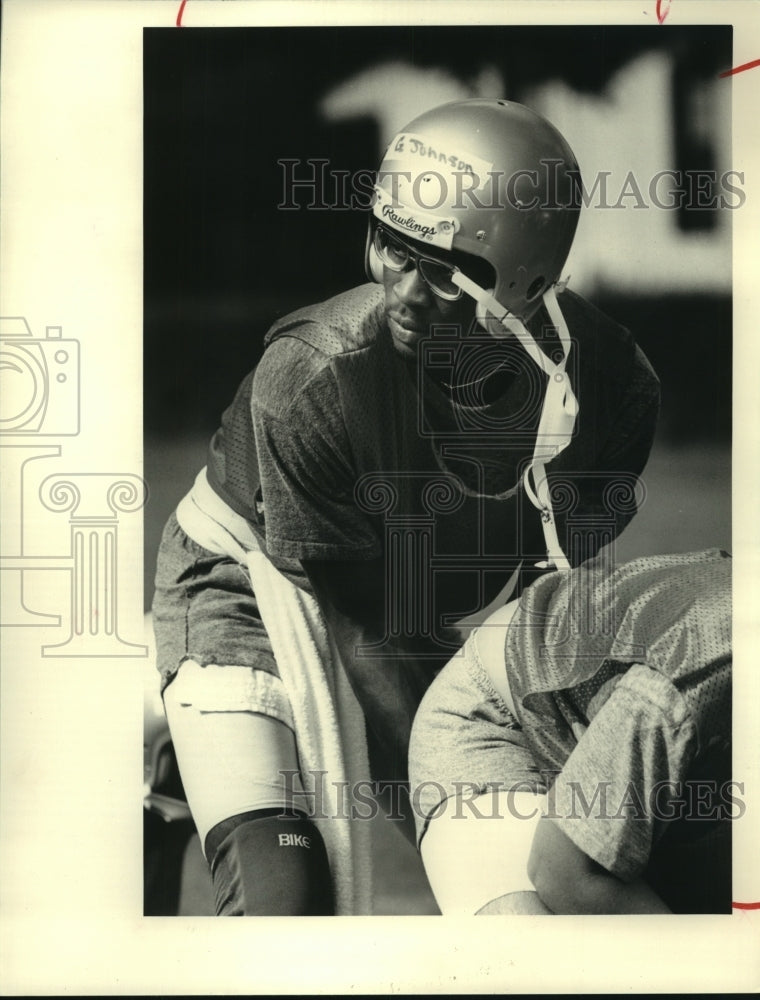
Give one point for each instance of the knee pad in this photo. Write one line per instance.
(269, 863)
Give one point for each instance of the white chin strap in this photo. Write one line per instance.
(560, 407)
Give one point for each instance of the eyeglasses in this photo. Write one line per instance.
(396, 255)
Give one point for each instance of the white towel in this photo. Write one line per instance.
(329, 723)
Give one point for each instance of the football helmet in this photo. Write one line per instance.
(496, 181)
(489, 178)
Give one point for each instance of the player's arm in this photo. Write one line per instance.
(632, 430)
(569, 881)
(608, 808)
(605, 494)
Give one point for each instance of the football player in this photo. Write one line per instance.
(405, 455)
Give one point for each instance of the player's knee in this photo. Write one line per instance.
(269, 863)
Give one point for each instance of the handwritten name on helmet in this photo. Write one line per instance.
(406, 143)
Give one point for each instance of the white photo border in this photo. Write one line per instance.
(70, 739)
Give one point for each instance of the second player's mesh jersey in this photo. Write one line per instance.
(574, 635)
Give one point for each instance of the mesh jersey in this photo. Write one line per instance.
(575, 635)
(622, 681)
(336, 448)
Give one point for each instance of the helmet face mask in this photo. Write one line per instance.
(487, 178)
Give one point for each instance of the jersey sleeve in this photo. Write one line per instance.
(619, 787)
(598, 494)
(304, 454)
(632, 430)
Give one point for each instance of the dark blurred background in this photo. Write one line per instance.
(222, 260)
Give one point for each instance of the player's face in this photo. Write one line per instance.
(413, 306)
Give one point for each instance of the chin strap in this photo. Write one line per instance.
(559, 411)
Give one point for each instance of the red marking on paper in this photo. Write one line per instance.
(746, 906)
(180, 13)
(740, 69)
(663, 9)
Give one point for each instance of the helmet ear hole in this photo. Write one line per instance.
(535, 287)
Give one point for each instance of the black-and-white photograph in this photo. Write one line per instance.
(378, 434)
(438, 346)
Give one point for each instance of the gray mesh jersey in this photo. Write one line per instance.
(337, 448)
(622, 682)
